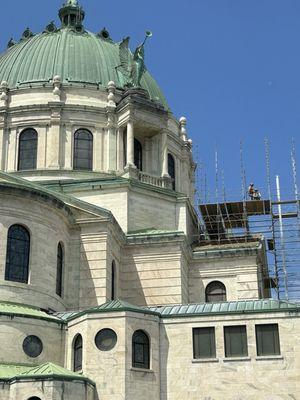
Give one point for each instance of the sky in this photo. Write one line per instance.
(231, 67)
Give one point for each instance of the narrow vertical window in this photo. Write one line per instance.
(171, 170)
(77, 363)
(267, 340)
(113, 280)
(17, 254)
(27, 150)
(140, 350)
(235, 341)
(138, 155)
(83, 150)
(204, 342)
(215, 291)
(59, 269)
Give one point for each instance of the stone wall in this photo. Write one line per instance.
(13, 331)
(249, 378)
(47, 226)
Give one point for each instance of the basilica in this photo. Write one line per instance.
(109, 287)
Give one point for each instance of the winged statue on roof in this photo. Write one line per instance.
(132, 66)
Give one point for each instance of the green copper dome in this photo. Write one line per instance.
(77, 56)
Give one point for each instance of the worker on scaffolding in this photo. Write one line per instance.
(251, 191)
(254, 194)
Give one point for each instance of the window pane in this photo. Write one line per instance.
(78, 353)
(140, 350)
(138, 155)
(204, 342)
(215, 292)
(83, 150)
(27, 150)
(267, 340)
(171, 169)
(17, 254)
(59, 269)
(235, 341)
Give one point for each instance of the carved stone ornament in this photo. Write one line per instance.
(57, 85)
(111, 99)
(4, 91)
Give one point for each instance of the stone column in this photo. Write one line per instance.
(130, 144)
(164, 155)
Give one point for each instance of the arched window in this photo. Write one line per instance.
(171, 169)
(17, 254)
(215, 291)
(113, 280)
(83, 150)
(34, 398)
(140, 350)
(59, 269)
(138, 155)
(27, 150)
(77, 350)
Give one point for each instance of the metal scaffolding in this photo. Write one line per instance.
(273, 220)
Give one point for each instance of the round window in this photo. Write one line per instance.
(32, 346)
(106, 339)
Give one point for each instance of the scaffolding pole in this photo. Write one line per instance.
(282, 238)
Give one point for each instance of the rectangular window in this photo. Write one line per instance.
(235, 341)
(204, 343)
(267, 340)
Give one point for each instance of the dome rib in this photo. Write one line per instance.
(78, 58)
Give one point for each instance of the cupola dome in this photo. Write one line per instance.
(79, 57)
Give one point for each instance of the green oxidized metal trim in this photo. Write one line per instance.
(46, 371)
(11, 309)
(113, 306)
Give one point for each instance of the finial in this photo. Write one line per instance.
(71, 15)
(50, 28)
(11, 43)
(27, 34)
(183, 132)
(111, 86)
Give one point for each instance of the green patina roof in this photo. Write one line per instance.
(110, 306)
(225, 308)
(22, 310)
(10, 372)
(190, 310)
(77, 57)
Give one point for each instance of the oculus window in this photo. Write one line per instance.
(215, 292)
(83, 150)
(77, 353)
(267, 340)
(32, 346)
(27, 150)
(140, 350)
(106, 339)
(17, 254)
(204, 343)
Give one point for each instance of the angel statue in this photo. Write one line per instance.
(132, 66)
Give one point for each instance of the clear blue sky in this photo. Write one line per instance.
(232, 67)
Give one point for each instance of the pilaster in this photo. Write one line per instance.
(53, 158)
